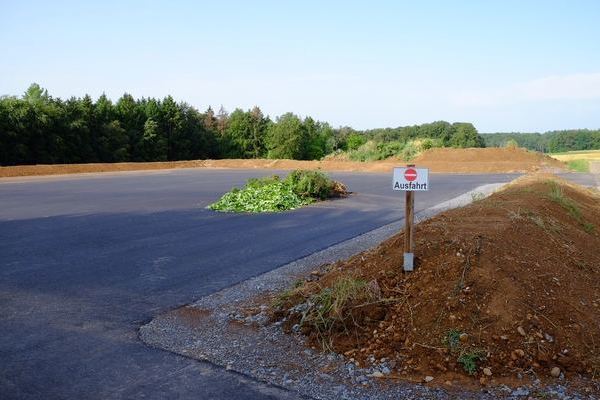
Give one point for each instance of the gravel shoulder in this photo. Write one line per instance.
(215, 329)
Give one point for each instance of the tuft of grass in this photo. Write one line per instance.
(588, 227)
(540, 394)
(557, 195)
(579, 165)
(329, 308)
(452, 340)
(538, 220)
(467, 357)
(470, 359)
(548, 224)
(282, 298)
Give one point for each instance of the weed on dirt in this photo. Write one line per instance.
(557, 194)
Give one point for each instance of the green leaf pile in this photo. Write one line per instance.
(271, 194)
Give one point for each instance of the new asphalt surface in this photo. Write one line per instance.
(85, 260)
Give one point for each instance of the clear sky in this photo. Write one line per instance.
(503, 65)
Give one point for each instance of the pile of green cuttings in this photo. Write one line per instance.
(272, 194)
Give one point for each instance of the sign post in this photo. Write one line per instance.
(410, 179)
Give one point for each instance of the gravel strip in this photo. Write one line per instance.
(214, 329)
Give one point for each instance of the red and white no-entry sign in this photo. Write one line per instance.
(410, 174)
(411, 179)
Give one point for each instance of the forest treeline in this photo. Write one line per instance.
(406, 142)
(458, 134)
(37, 128)
(549, 142)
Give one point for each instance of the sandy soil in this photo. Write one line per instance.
(510, 282)
(492, 160)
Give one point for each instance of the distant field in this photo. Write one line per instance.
(577, 155)
(578, 160)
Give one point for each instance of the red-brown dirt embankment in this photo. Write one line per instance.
(504, 288)
(491, 160)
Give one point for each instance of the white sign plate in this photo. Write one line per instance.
(411, 179)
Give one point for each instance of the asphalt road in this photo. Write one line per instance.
(85, 260)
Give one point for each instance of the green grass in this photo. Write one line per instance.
(452, 340)
(283, 298)
(470, 359)
(557, 195)
(579, 165)
(467, 357)
(588, 227)
(330, 308)
(272, 194)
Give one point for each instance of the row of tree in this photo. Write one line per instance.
(458, 134)
(549, 142)
(40, 129)
(37, 128)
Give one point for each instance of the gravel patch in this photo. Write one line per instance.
(215, 329)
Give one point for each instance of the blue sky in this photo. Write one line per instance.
(503, 65)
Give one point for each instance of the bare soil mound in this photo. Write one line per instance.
(60, 169)
(491, 160)
(505, 288)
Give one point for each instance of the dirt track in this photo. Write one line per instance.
(491, 160)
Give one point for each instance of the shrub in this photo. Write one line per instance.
(355, 140)
(366, 152)
(410, 151)
(390, 149)
(373, 151)
(427, 144)
(313, 184)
